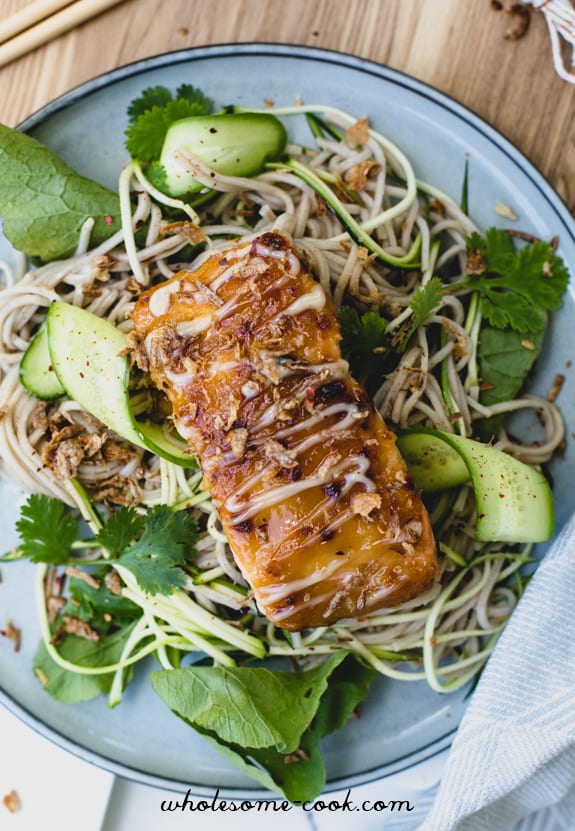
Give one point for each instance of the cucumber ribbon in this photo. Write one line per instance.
(514, 501)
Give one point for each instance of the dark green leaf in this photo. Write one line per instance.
(517, 289)
(540, 275)
(508, 310)
(253, 707)
(349, 684)
(505, 357)
(73, 687)
(423, 303)
(167, 542)
(119, 531)
(257, 710)
(363, 342)
(44, 202)
(499, 251)
(46, 529)
(157, 96)
(195, 96)
(156, 175)
(99, 607)
(475, 242)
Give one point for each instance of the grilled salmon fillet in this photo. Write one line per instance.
(314, 497)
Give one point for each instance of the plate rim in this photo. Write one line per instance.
(383, 72)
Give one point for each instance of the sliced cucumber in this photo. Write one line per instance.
(36, 371)
(88, 356)
(234, 144)
(514, 501)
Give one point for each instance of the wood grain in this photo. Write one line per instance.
(459, 47)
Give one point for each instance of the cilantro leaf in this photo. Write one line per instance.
(151, 97)
(145, 137)
(517, 289)
(363, 342)
(44, 202)
(166, 544)
(517, 313)
(119, 531)
(497, 247)
(423, 303)
(98, 606)
(160, 96)
(46, 530)
(195, 96)
(156, 175)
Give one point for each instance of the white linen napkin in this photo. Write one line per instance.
(513, 757)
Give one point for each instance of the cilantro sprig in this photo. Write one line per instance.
(156, 558)
(46, 530)
(368, 345)
(517, 288)
(423, 303)
(155, 546)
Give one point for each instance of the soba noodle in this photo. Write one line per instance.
(444, 636)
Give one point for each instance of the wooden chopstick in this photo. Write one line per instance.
(29, 16)
(41, 28)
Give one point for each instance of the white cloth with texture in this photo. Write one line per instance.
(512, 764)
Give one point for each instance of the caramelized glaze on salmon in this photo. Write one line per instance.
(315, 499)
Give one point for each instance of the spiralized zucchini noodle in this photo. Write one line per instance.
(444, 636)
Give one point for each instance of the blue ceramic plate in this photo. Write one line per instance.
(401, 724)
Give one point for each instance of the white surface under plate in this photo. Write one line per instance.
(401, 724)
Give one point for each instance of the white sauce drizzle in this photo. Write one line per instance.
(160, 299)
(194, 326)
(311, 300)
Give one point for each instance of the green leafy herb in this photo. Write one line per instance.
(166, 544)
(73, 687)
(423, 303)
(98, 606)
(44, 202)
(154, 546)
(506, 358)
(121, 528)
(151, 97)
(152, 114)
(160, 96)
(46, 530)
(268, 722)
(363, 342)
(156, 175)
(517, 289)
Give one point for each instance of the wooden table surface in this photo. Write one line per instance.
(459, 46)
